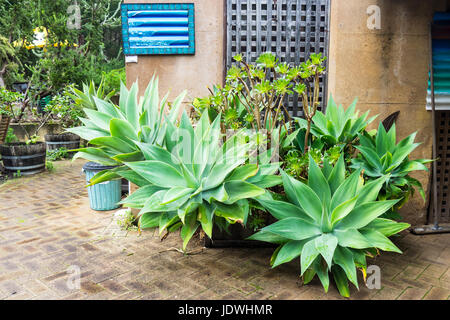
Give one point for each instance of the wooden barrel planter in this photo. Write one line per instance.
(28, 159)
(67, 140)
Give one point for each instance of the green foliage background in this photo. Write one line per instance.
(97, 50)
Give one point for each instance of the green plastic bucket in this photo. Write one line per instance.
(105, 195)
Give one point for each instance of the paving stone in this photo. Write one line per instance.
(46, 226)
(412, 293)
(437, 294)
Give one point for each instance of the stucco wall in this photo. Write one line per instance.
(387, 69)
(191, 72)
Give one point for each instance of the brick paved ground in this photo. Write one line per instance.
(47, 227)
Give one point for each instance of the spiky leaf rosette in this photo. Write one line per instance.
(197, 181)
(331, 222)
(380, 156)
(116, 131)
(337, 126)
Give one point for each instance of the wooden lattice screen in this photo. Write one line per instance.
(293, 29)
(443, 164)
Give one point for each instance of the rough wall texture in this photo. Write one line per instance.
(191, 72)
(387, 69)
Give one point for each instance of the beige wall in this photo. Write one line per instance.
(191, 72)
(387, 69)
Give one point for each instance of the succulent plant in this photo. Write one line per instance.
(331, 221)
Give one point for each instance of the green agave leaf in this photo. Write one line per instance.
(106, 107)
(131, 107)
(281, 210)
(88, 133)
(129, 157)
(96, 155)
(123, 129)
(133, 177)
(386, 227)
(243, 173)
(366, 141)
(103, 176)
(411, 166)
(337, 175)
(325, 245)
(293, 228)
(158, 173)
(190, 226)
(386, 161)
(153, 152)
(268, 237)
(157, 202)
(115, 143)
(149, 220)
(265, 181)
(378, 240)
(303, 196)
(233, 212)
(274, 255)
(346, 191)
(322, 272)
(343, 257)
(205, 216)
(381, 141)
(218, 193)
(238, 190)
(351, 238)
(363, 214)
(166, 220)
(340, 279)
(175, 193)
(138, 198)
(391, 139)
(308, 255)
(342, 210)
(288, 252)
(176, 106)
(309, 275)
(371, 156)
(100, 119)
(369, 192)
(317, 181)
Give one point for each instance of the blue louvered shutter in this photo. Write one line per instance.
(158, 28)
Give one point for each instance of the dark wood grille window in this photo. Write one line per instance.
(292, 29)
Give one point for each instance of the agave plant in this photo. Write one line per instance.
(197, 181)
(85, 97)
(331, 222)
(116, 132)
(337, 126)
(380, 156)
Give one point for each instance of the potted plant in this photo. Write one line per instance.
(66, 113)
(26, 157)
(7, 99)
(253, 98)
